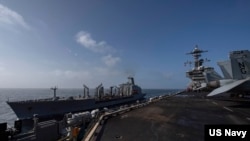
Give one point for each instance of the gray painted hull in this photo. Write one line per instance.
(26, 109)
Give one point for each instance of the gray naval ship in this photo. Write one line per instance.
(200, 74)
(43, 108)
(177, 116)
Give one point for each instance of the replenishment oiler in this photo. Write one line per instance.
(56, 106)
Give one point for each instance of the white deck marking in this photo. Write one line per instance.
(248, 118)
(215, 103)
(228, 109)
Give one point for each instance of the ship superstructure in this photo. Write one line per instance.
(200, 74)
(125, 93)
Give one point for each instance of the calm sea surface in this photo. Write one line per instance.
(7, 115)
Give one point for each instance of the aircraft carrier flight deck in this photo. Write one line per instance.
(181, 117)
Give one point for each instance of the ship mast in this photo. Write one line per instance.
(85, 91)
(54, 89)
(196, 53)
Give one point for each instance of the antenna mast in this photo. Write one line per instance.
(54, 89)
(197, 54)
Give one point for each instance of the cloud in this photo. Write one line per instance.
(110, 61)
(71, 74)
(85, 39)
(74, 78)
(10, 17)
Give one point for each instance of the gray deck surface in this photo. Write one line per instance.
(176, 118)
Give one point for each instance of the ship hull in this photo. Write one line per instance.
(27, 109)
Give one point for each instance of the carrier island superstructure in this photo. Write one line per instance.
(199, 74)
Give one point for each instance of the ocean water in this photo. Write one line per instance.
(7, 115)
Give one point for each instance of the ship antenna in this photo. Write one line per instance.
(85, 91)
(197, 54)
(54, 89)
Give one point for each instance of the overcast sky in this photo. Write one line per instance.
(69, 43)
